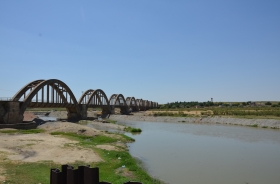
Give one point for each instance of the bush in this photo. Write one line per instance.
(268, 103)
(133, 130)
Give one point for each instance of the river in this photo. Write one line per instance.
(181, 153)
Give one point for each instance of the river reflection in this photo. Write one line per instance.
(181, 153)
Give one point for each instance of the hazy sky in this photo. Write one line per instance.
(158, 50)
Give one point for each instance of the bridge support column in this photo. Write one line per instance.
(83, 112)
(73, 115)
(106, 111)
(112, 110)
(124, 110)
(10, 112)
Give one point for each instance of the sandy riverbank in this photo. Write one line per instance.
(143, 116)
(43, 146)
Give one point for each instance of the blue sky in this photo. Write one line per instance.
(158, 50)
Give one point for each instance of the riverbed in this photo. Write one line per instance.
(183, 153)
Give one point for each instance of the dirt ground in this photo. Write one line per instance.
(44, 146)
(39, 147)
(28, 116)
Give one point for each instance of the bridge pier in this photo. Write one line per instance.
(135, 109)
(106, 111)
(124, 110)
(83, 110)
(10, 112)
(73, 115)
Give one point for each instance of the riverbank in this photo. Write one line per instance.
(144, 116)
(147, 116)
(28, 155)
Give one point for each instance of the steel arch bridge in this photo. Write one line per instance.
(55, 93)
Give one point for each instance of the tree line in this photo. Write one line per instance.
(193, 104)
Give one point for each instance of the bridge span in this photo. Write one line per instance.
(55, 93)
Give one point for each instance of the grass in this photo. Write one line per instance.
(132, 130)
(254, 125)
(111, 121)
(30, 131)
(45, 109)
(127, 138)
(20, 172)
(234, 112)
(108, 171)
(172, 114)
(112, 162)
(86, 140)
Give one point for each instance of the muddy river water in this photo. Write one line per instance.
(181, 153)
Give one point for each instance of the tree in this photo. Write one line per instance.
(268, 103)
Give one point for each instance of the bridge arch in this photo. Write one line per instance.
(150, 104)
(51, 93)
(96, 98)
(139, 103)
(146, 104)
(132, 103)
(118, 100)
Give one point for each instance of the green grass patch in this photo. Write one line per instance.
(117, 160)
(257, 112)
(87, 140)
(111, 121)
(30, 131)
(133, 130)
(127, 138)
(255, 125)
(46, 109)
(19, 172)
(264, 126)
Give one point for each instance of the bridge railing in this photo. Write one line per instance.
(5, 98)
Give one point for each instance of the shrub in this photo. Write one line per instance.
(133, 130)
